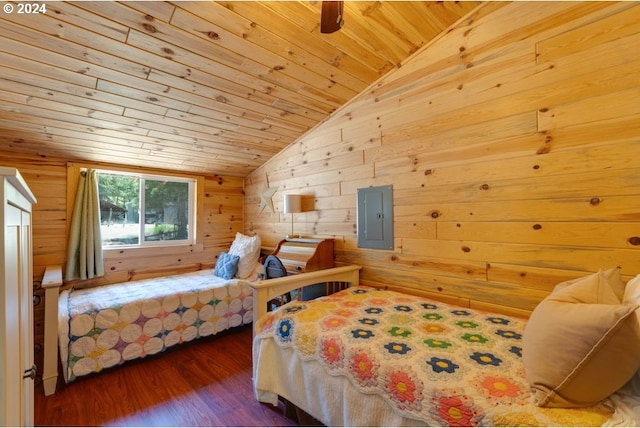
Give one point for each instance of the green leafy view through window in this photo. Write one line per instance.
(145, 210)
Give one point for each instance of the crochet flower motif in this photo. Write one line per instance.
(397, 348)
(429, 306)
(399, 331)
(474, 338)
(305, 339)
(360, 333)
(364, 368)
(508, 334)
(351, 304)
(311, 315)
(284, 330)
(498, 320)
(403, 308)
(432, 316)
(343, 313)
(331, 350)
(368, 321)
(333, 323)
(467, 324)
(500, 387)
(267, 323)
(461, 312)
(485, 359)
(440, 365)
(516, 350)
(455, 409)
(435, 343)
(373, 310)
(433, 328)
(404, 390)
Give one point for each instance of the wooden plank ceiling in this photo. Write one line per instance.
(205, 87)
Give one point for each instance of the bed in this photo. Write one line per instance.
(370, 357)
(103, 327)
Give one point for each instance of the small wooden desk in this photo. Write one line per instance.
(299, 255)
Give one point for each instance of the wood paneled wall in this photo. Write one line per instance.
(220, 217)
(512, 144)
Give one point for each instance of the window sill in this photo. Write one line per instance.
(152, 250)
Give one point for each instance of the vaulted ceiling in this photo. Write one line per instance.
(206, 87)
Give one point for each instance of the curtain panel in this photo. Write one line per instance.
(84, 249)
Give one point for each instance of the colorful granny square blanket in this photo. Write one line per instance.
(431, 362)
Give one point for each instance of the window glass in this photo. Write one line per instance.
(145, 210)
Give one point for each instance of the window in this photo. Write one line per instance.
(145, 210)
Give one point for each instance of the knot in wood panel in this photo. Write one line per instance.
(148, 27)
(634, 240)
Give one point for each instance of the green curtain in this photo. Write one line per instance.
(84, 250)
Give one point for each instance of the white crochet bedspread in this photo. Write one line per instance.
(371, 357)
(106, 326)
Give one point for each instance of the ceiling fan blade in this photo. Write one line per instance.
(331, 18)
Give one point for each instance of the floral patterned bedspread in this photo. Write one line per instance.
(106, 326)
(432, 362)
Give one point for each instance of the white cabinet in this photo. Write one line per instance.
(16, 301)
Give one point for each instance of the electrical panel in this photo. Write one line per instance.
(375, 217)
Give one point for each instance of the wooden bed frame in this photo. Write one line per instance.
(268, 289)
(263, 292)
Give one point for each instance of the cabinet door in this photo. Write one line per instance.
(17, 332)
(26, 319)
(12, 385)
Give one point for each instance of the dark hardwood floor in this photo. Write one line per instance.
(204, 383)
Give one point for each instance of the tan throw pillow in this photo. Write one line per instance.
(580, 344)
(612, 276)
(615, 280)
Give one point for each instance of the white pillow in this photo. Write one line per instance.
(248, 249)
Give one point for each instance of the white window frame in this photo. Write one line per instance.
(142, 177)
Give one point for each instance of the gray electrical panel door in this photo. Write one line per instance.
(375, 217)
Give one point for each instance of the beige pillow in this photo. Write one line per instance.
(612, 276)
(580, 344)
